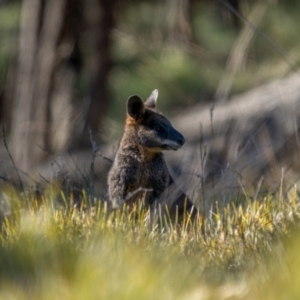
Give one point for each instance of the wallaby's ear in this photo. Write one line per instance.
(151, 101)
(135, 107)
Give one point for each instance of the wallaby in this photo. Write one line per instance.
(139, 162)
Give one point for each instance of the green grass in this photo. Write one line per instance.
(57, 251)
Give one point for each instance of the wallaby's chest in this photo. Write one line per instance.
(151, 175)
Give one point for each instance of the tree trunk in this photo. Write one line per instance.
(40, 29)
(101, 22)
(22, 138)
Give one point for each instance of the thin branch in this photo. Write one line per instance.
(51, 157)
(96, 148)
(4, 178)
(26, 174)
(94, 143)
(78, 169)
(140, 189)
(44, 178)
(105, 157)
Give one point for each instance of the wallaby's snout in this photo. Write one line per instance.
(175, 140)
(180, 139)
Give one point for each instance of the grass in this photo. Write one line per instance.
(58, 251)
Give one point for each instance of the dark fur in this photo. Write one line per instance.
(139, 161)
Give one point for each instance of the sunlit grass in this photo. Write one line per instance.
(63, 251)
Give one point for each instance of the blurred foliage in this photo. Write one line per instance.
(145, 57)
(50, 250)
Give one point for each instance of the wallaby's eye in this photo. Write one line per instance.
(159, 128)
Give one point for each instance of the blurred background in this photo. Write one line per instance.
(68, 66)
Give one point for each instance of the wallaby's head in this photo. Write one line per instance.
(148, 127)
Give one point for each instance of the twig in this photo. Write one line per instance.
(258, 187)
(78, 169)
(26, 174)
(140, 189)
(52, 158)
(202, 157)
(281, 187)
(96, 148)
(211, 152)
(4, 178)
(94, 144)
(44, 178)
(105, 157)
